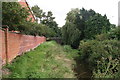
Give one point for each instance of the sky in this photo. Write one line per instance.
(60, 8)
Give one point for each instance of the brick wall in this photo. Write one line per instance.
(17, 44)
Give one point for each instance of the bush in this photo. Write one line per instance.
(102, 37)
(102, 56)
(31, 28)
(115, 33)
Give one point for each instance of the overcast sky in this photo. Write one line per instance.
(61, 7)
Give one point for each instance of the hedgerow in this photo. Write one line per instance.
(103, 57)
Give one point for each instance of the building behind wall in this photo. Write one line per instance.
(24, 3)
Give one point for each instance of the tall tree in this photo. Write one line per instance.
(38, 13)
(88, 22)
(13, 15)
(46, 19)
(81, 18)
(70, 32)
(96, 25)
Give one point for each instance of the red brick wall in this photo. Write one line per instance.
(2, 45)
(17, 44)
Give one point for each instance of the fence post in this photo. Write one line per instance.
(6, 44)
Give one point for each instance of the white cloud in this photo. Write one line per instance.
(61, 7)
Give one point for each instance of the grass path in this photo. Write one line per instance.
(49, 60)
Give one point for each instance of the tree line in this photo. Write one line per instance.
(84, 24)
(15, 16)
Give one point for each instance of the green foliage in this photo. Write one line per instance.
(71, 16)
(86, 23)
(102, 56)
(114, 33)
(16, 18)
(81, 18)
(49, 60)
(46, 31)
(102, 37)
(31, 28)
(0, 12)
(26, 27)
(70, 32)
(71, 53)
(13, 14)
(37, 12)
(71, 35)
(46, 19)
(97, 24)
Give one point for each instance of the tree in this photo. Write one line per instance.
(71, 34)
(88, 22)
(46, 19)
(38, 13)
(81, 18)
(97, 24)
(49, 20)
(44, 30)
(13, 15)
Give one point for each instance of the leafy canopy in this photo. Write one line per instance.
(87, 24)
(13, 14)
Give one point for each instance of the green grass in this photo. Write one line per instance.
(49, 60)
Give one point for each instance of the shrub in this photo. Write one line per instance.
(102, 56)
(112, 34)
(31, 28)
(115, 33)
(102, 37)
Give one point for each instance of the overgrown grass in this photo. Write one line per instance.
(49, 60)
